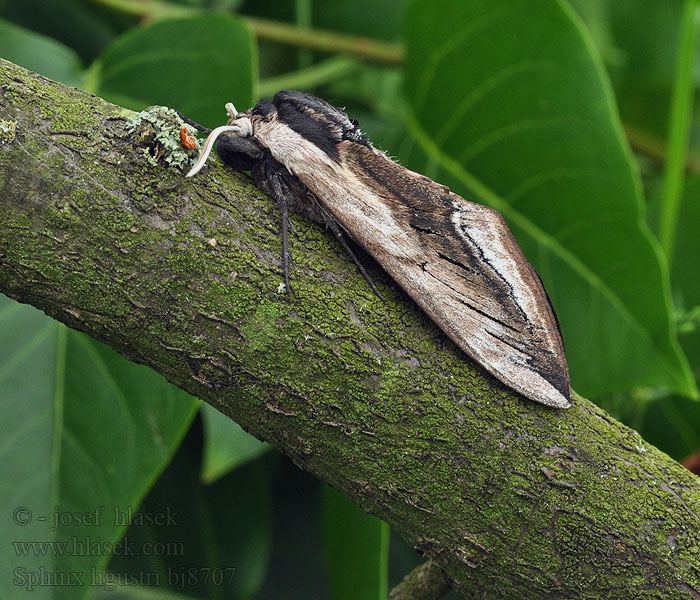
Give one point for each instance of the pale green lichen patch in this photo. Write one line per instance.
(8, 131)
(157, 131)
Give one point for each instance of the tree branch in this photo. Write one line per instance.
(512, 499)
(425, 582)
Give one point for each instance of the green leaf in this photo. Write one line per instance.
(41, 54)
(226, 445)
(84, 28)
(195, 65)
(367, 18)
(356, 547)
(212, 541)
(673, 424)
(511, 107)
(82, 430)
(595, 14)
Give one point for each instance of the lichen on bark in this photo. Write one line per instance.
(512, 499)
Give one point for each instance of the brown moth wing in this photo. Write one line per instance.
(459, 261)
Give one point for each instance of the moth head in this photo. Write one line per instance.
(239, 126)
(269, 125)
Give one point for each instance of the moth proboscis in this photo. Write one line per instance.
(457, 260)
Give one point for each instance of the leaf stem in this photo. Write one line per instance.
(679, 128)
(302, 17)
(310, 77)
(325, 41)
(646, 143)
(146, 9)
(274, 31)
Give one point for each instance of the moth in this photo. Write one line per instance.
(456, 259)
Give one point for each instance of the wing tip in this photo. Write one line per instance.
(553, 388)
(555, 400)
(543, 390)
(557, 396)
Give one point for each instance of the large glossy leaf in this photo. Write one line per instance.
(41, 54)
(356, 548)
(512, 109)
(73, 22)
(595, 14)
(195, 65)
(83, 430)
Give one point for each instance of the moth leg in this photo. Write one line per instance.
(194, 124)
(281, 195)
(338, 232)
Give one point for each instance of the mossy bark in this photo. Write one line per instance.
(511, 498)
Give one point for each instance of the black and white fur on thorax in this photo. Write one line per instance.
(456, 259)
